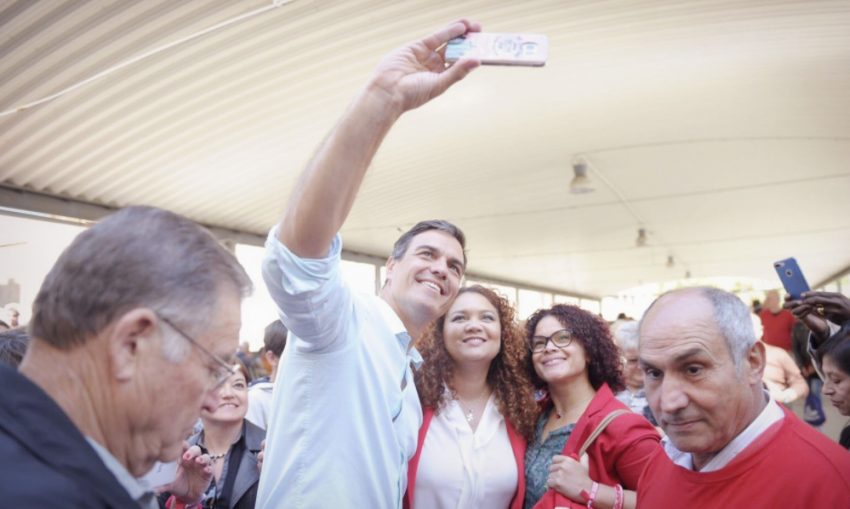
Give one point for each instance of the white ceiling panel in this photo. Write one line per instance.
(722, 127)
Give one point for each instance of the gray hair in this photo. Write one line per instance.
(731, 316)
(13, 346)
(136, 257)
(403, 242)
(627, 335)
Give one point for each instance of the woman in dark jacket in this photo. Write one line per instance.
(232, 444)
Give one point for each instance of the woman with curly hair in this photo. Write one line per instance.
(478, 407)
(577, 363)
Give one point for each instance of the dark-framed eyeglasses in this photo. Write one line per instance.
(560, 338)
(220, 371)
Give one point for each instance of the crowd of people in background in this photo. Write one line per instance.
(428, 395)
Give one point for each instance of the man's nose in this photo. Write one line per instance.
(440, 267)
(673, 396)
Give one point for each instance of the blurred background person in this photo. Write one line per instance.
(478, 405)
(574, 358)
(781, 375)
(778, 323)
(260, 392)
(13, 346)
(633, 396)
(835, 362)
(13, 313)
(232, 444)
(823, 313)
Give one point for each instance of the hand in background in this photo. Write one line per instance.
(194, 473)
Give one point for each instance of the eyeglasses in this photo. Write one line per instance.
(217, 374)
(560, 338)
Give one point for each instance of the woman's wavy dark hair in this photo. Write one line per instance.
(593, 334)
(507, 376)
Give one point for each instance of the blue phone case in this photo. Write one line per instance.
(792, 277)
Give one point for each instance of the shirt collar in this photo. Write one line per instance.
(770, 414)
(397, 327)
(135, 489)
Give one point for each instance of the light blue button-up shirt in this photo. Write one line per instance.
(345, 412)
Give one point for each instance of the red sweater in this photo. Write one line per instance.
(777, 327)
(617, 456)
(517, 444)
(789, 465)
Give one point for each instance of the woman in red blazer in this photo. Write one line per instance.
(478, 407)
(577, 365)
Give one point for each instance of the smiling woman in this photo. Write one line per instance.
(232, 444)
(478, 407)
(574, 360)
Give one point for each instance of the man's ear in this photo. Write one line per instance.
(133, 335)
(755, 362)
(390, 265)
(271, 357)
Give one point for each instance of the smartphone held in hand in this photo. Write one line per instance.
(792, 277)
(500, 48)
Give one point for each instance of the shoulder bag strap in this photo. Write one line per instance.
(600, 428)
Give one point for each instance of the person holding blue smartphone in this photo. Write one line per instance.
(823, 313)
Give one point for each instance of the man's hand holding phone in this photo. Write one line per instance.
(815, 308)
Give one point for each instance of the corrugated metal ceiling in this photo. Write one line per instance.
(722, 127)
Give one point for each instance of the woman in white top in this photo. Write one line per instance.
(478, 407)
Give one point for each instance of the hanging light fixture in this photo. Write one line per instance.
(670, 262)
(581, 183)
(641, 238)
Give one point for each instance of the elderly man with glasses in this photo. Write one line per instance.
(132, 332)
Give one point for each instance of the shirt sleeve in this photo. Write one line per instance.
(312, 299)
(639, 441)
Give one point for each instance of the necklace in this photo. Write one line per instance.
(216, 457)
(213, 457)
(470, 413)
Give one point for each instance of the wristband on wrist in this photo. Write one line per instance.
(594, 489)
(619, 497)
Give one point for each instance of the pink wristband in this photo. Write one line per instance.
(619, 498)
(594, 489)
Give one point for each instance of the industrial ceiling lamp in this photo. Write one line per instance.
(670, 262)
(580, 184)
(641, 238)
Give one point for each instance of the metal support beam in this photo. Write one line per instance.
(829, 279)
(34, 205)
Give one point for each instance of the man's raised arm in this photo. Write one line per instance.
(405, 79)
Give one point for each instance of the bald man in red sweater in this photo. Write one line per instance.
(728, 444)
